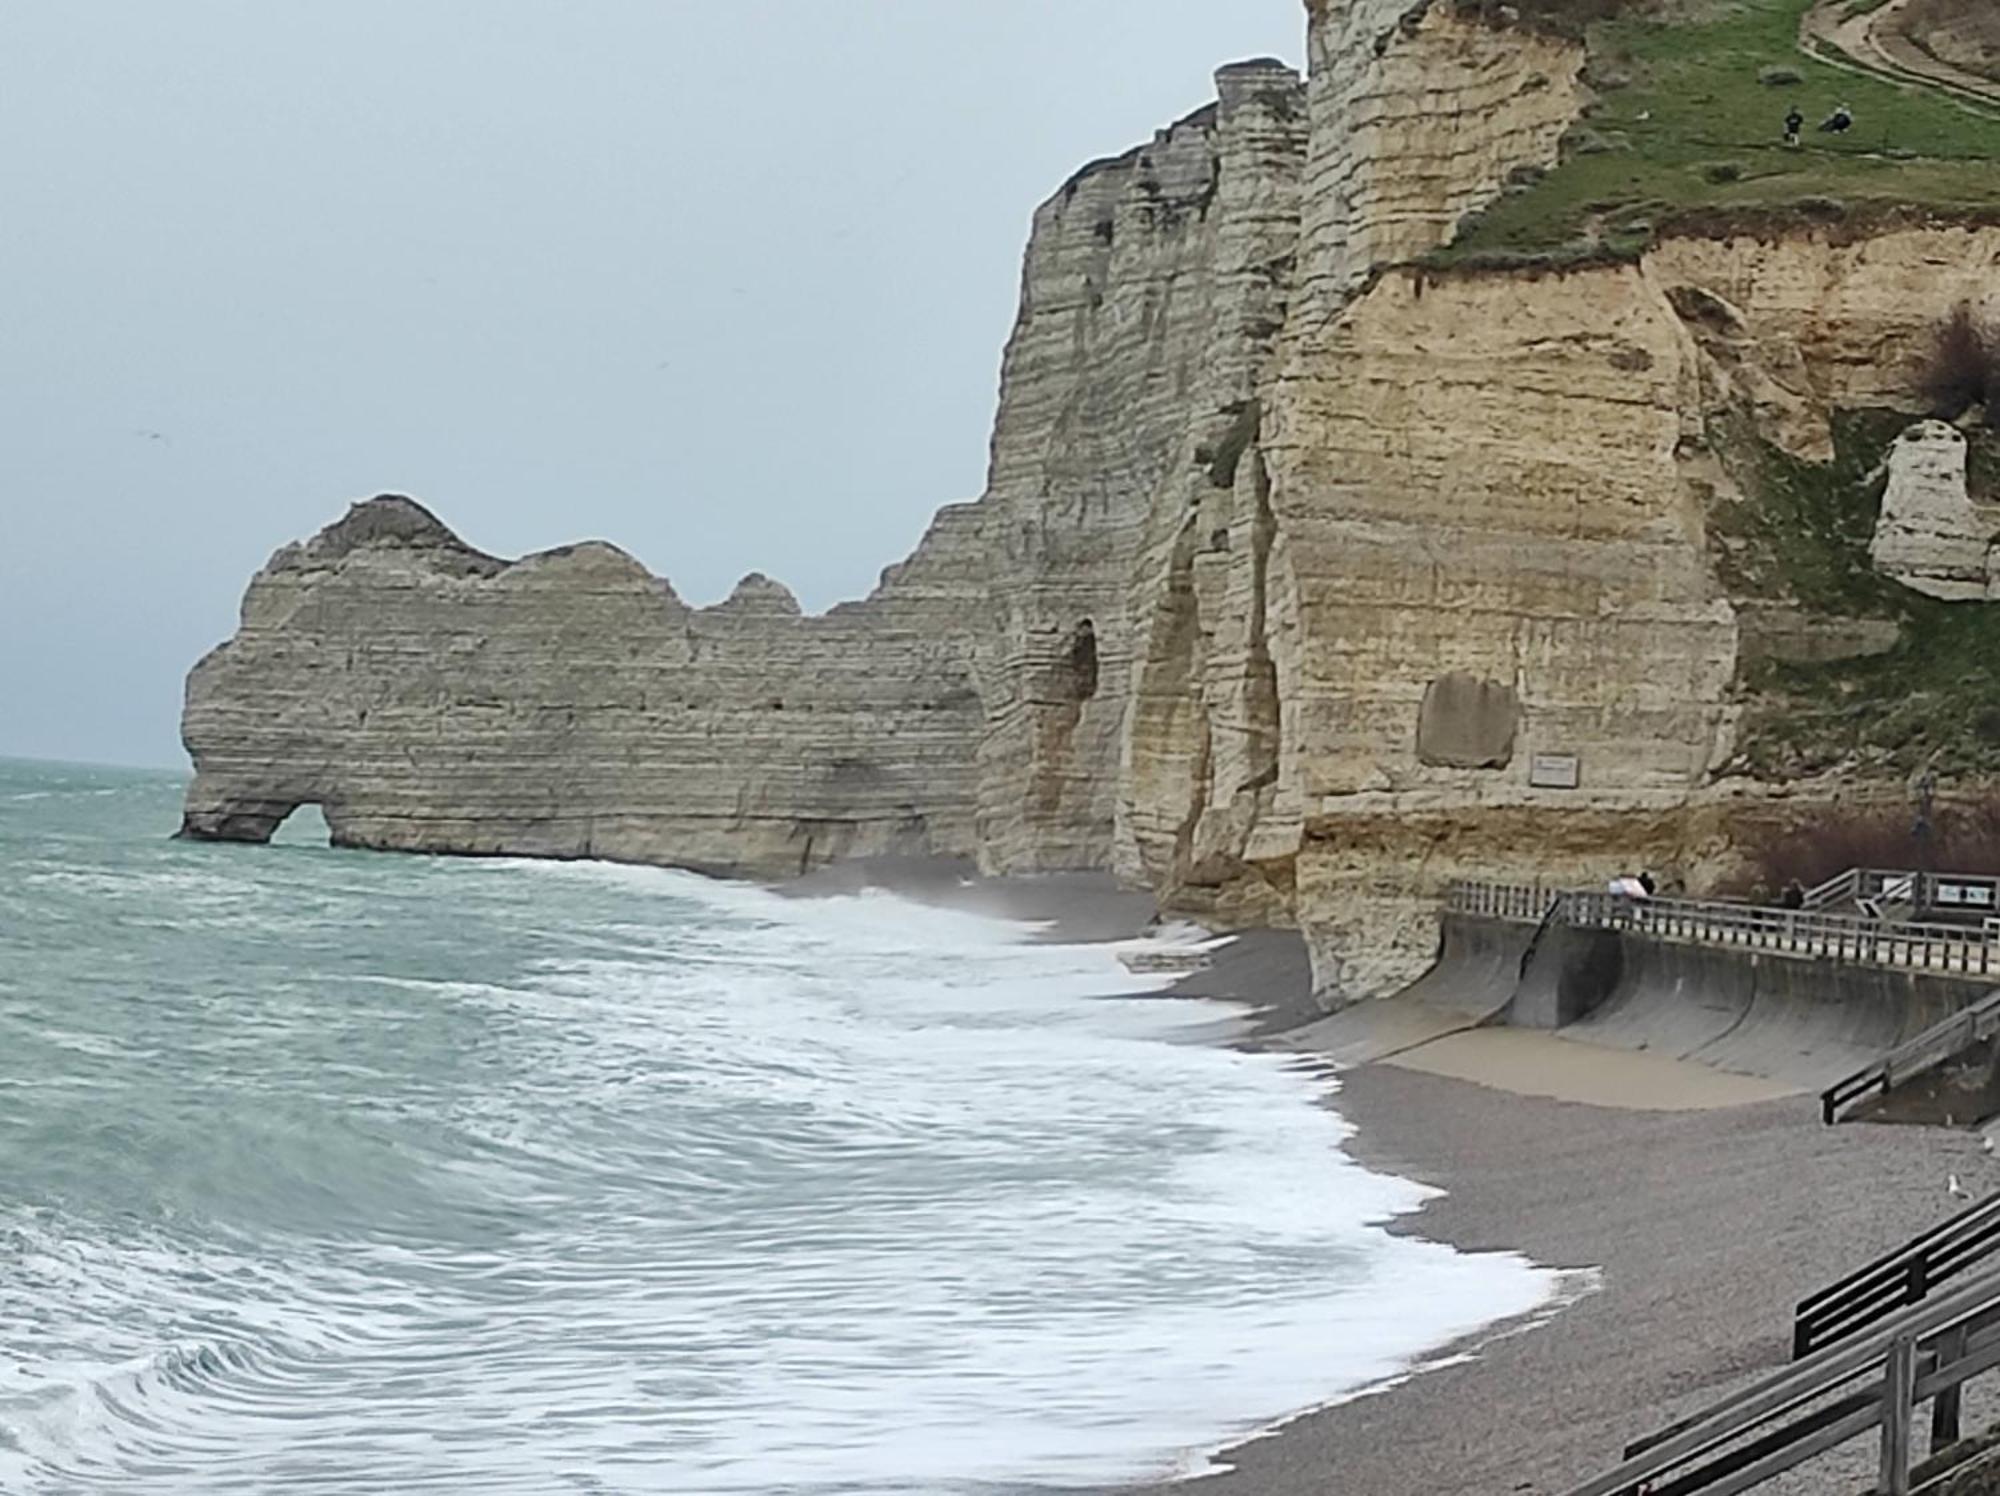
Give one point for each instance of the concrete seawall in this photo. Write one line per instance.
(1475, 974)
(1802, 1022)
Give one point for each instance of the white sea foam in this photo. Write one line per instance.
(392, 1175)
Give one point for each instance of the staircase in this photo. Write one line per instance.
(1902, 893)
(1935, 1046)
(1912, 1327)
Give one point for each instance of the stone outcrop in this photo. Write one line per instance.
(1930, 535)
(569, 705)
(1306, 577)
(1421, 115)
(434, 699)
(1515, 477)
(1467, 723)
(1154, 287)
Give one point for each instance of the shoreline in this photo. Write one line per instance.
(1704, 1227)
(1701, 1228)
(1265, 970)
(1701, 1205)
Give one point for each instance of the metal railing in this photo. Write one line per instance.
(1870, 1383)
(1527, 902)
(1970, 893)
(1915, 1056)
(1896, 1280)
(1970, 950)
(1842, 888)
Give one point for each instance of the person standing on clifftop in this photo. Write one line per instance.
(1794, 123)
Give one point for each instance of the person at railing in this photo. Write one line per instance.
(1628, 892)
(1794, 897)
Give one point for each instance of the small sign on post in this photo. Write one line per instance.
(1553, 771)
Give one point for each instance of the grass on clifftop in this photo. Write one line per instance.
(1932, 701)
(1690, 118)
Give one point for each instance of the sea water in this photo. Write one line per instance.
(326, 1171)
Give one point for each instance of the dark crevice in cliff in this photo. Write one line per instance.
(1264, 709)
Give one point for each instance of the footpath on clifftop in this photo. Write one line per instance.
(1949, 44)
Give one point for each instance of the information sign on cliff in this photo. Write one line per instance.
(1553, 771)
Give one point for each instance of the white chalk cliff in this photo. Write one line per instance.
(1305, 577)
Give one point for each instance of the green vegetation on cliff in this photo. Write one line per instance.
(1689, 122)
(1802, 536)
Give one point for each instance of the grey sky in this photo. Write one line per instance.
(725, 283)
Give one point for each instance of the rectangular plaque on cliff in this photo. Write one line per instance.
(1553, 771)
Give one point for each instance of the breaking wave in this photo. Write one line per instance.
(329, 1172)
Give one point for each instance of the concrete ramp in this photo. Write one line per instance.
(1670, 999)
(1793, 1021)
(1569, 973)
(1803, 1022)
(1814, 1021)
(1477, 969)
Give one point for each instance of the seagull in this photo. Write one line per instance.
(1956, 1190)
(1986, 1145)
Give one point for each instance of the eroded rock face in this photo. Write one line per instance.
(1467, 723)
(434, 699)
(1930, 535)
(1421, 114)
(1292, 562)
(1154, 289)
(1510, 477)
(569, 705)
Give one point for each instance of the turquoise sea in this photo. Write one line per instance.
(328, 1171)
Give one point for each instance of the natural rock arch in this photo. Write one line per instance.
(304, 825)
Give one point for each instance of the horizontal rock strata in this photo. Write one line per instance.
(569, 705)
(1305, 577)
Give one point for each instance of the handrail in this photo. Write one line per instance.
(1971, 950)
(1839, 889)
(1896, 1279)
(1782, 1420)
(1974, 892)
(1914, 1057)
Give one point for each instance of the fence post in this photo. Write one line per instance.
(1899, 1386)
(1944, 1407)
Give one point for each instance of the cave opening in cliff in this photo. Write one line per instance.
(303, 826)
(1080, 662)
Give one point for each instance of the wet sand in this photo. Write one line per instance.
(1531, 1063)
